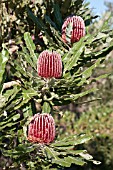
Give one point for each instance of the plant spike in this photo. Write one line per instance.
(73, 29)
(41, 129)
(49, 64)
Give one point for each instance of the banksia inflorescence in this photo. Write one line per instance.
(73, 29)
(49, 64)
(41, 129)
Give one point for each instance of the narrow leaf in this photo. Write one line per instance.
(4, 56)
(75, 53)
(46, 107)
(72, 141)
(75, 160)
(61, 162)
(31, 46)
(51, 153)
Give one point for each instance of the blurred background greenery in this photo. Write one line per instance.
(94, 117)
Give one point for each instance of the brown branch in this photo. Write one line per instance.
(10, 84)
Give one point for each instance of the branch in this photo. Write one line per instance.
(10, 84)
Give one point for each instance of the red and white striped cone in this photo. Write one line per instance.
(49, 65)
(78, 29)
(41, 129)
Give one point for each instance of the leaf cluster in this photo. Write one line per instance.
(43, 20)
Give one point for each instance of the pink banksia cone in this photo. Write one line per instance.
(49, 64)
(75, 26)
(41, 129)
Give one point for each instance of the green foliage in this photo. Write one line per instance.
(4, 56)
(59, 154)
(97, 122)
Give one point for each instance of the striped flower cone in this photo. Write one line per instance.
(49, 65)
(41, 129)
(73, 29)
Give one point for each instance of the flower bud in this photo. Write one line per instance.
(49, 64)
(41, 129)
(73, 29)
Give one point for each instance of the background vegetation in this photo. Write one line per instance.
(28, 28)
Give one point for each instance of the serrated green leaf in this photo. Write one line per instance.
(72, 140)
(75, 160)
(10, 124)
(51, 153)
(87, 73)
(69, 150)
(64, 148)
(31, 46)
(85, 93)
(29, 43)
(24, 148)
(28, 59)
(74, 97)
(20, 150)
(74, 55)
(61, 162)
(101, 76)
(10, 94)
(21, 103)
(26, 97)
(29, 93)
(67, 56)
(4, 56)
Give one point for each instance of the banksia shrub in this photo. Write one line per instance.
(73, 29)
(49, 64)
(41, 129)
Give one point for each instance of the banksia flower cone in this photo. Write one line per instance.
(73, 29)
(41, 129)
(49, 65)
